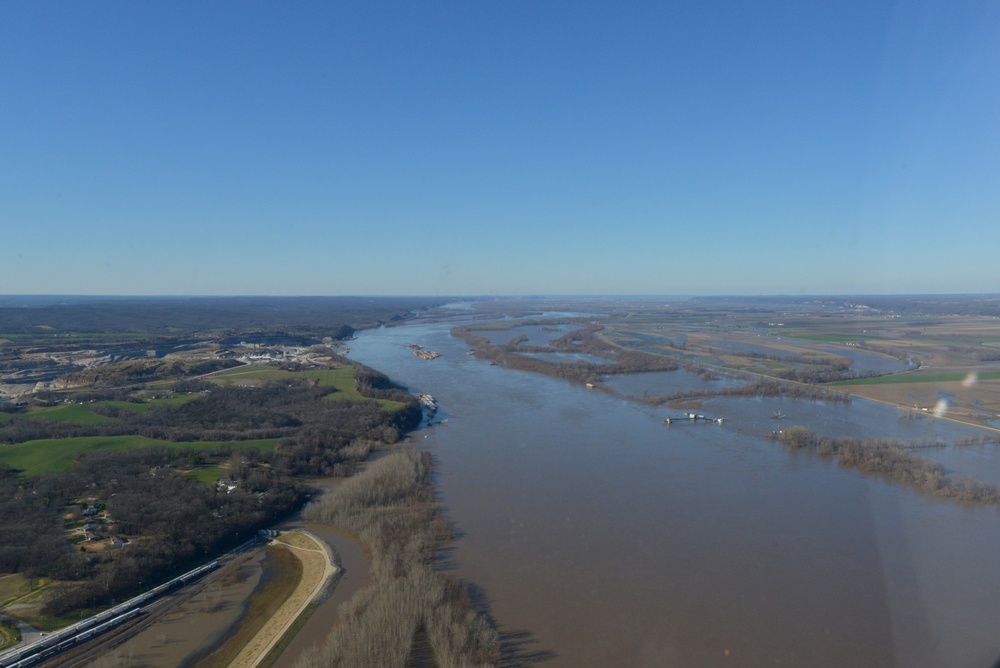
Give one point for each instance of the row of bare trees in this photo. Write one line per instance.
(763, 387)
(392, 507)
(895, 460)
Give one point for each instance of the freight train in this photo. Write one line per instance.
(30, 654)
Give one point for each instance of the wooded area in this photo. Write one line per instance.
(165, 519)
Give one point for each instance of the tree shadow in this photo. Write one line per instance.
(518, 647)
(444, 558)
(444, 554)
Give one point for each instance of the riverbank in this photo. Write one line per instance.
(317, 570)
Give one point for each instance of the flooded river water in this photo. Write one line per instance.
(613, 540)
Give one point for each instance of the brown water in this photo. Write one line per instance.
(613, 540)
(354, 573)
(196, 624)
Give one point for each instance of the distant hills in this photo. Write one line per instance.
(188, 315)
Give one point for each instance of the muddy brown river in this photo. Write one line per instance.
(600, 537)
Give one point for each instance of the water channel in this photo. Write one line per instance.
(601, 537)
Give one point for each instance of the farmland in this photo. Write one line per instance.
(340, 378)
(944, 360)
(34, 458)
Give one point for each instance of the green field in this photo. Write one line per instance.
(75, 413)
(58, 454)
(9, 636)
(916, 378)
(13, 587)
(142, 407)
(206, 474)
(340, 378)
(84, 413)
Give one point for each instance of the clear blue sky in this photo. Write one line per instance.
(499, 147)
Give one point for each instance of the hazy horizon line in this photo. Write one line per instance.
(485, 297)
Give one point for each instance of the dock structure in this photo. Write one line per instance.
(692, 417)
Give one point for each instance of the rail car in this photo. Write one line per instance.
(99, 623)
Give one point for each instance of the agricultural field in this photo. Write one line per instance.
(33, 458)
(948, 365)
(966, 396)
(340, 378)
(83, 413)
(72, 413)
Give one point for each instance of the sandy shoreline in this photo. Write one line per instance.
(317, 569)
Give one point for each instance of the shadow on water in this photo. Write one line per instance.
(444, 554)
(518, 647)
(517, 651)
(444, 558)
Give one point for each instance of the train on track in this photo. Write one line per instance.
(63, 639)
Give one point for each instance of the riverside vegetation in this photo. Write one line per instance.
(407, 610)
(759, 387)
(893, 459)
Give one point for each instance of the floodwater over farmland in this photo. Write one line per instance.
(864, 360)
(613, 539)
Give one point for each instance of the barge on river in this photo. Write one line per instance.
(428, 402)
(692, 417)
